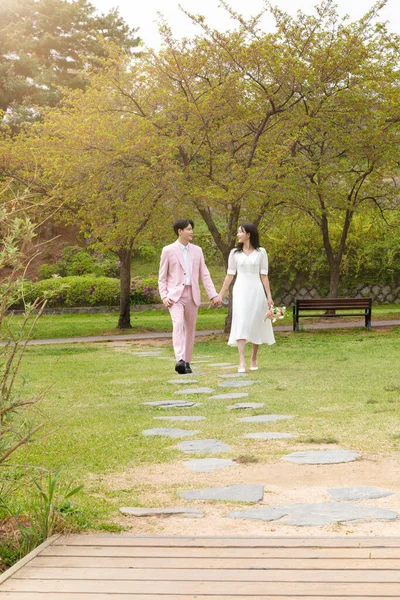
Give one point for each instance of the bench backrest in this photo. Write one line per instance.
(334, 303)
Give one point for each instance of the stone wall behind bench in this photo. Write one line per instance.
(380, 294)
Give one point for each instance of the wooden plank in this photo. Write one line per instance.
(213, 563)
(26, 559)
(216, 588)
(115, 596)
(293, 553)
(227, 542)
(184, 574)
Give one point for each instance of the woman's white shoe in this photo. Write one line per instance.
(253, 368)
(241, 370)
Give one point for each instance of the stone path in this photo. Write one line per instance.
(204, 446)
(231, 396)
(322, 457)
(316, 514)
(170, 432)
(205, 465)
(233, 493)
(343, 506)
(89, 339)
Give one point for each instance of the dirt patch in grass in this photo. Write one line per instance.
(285, 483)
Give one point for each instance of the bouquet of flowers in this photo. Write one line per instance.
(275, 312)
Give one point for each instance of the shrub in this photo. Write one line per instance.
(89, 290)
(92, 291)
(147, 252)
(75, 261)
(46, 271)
(144, 291)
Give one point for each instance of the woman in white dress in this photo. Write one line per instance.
(251, 295)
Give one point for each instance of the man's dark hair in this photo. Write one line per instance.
(182, 224)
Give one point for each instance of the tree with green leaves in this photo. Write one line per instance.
(110, 168)
(345, 153)
(45, 44)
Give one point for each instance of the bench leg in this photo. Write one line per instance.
(295, 320)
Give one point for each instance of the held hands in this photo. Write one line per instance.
(217, 300)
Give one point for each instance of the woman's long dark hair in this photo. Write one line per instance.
(254, 238)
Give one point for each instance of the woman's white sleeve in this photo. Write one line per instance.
(263, 263)
(232, 263)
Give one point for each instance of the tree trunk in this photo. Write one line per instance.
(124, 321)
(228, 320)
(334, 280)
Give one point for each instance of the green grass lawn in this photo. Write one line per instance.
(74, 325)
(342, 387)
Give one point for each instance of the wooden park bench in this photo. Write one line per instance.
(347, 307)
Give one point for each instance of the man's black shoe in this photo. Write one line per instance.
(180, 367)
(187, 368)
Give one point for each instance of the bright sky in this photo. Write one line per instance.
(144, 14)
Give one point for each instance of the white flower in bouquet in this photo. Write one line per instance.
(275, 312)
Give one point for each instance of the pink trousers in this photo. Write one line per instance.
(184, 316)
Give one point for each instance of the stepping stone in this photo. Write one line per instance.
(324, 513)
(267, 513)
(172, 404)
(231, 396)
(268, 435)
(184, 381)
(193, 513)
(265, 419)
(234, 383)
(233, 493)
(224, 365)
(358, 493)
(200, 390)
(205, 465)
(150, 353)
(322, 457)
(173, 433)
(245, 405)
(233, 375)
(180, 418)
(199, 362)
(209, 445)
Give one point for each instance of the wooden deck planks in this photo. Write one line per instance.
(293, 553)
(73, 596)
(214, 563)
(185, 574)
(211, 588)
(111, 567)
(227, 542)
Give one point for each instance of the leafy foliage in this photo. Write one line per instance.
(16, 429)
(89, 290)
(75, 260)
(45, 44)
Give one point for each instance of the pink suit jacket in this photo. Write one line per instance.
(172, 276)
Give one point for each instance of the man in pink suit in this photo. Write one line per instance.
(180, 267)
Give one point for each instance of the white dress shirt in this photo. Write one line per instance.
(186, 260)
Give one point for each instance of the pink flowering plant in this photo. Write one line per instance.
(275, 312)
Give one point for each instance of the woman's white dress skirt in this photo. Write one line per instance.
(250, 303)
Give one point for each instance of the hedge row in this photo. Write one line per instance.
(90, 291)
